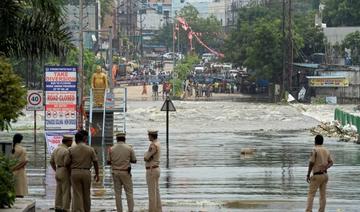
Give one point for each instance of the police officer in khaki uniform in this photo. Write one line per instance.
(152, 162)
(320, 161)
(119, 157)
(81, 157)
(62, 176)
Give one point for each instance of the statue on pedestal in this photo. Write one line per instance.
(99, 83)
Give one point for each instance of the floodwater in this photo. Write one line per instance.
(207, 171)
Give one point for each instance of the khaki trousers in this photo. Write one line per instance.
(123, 178)
(152, 180)
(63, 189)
(81, 184)
(317, 181)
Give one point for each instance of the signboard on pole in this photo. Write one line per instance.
(60, 97)
(34, 100)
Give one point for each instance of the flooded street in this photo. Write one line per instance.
(207, 171)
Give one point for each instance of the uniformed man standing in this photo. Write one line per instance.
(81, 157)
(120, 156)
(152, 162)
(62, 176)
(320, 161)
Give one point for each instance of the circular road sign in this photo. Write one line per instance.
(34, 99)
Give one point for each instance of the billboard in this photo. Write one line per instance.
(60, 97)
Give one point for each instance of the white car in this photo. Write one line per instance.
(171, 55)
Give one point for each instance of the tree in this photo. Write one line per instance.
(12, 95)
(313, 37)
(352, 42)
(257, 40)
(183, 70)
(7, 182)
(33, 28)
(341, 13)
(31, 31)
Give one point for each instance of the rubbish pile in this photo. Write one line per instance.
(334, 129)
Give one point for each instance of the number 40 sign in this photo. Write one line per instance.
(35, 100)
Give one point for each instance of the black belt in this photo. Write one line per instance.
(152, 167)
(319, 173)
(60, 166)
(82, 168)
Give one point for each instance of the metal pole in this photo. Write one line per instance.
(110, 57)
(283, 84)
(290, 47)
(90, 116)
(35, 127)
(167, 132)
(141, 35)
(81, 72)
(174, 55)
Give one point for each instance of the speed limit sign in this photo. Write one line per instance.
(35, 100)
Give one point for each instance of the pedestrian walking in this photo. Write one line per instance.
(62, 174)
(81, 157)
(152, 165)
(119, 157)
(19, 154)
(320, 161)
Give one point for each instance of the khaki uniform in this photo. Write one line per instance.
(62, 177)
(81, 158)
(320, 156)
(120, 156)
(21, 186)
(152, 165)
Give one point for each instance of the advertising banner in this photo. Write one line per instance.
(328, 82)
(60, 97)
(54, 138)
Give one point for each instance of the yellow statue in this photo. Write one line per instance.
(99, 83)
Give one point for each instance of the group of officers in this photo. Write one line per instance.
(72, 164)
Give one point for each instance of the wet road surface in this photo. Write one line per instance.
(207, 171)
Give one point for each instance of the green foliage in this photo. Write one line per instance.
(7, 182)
(183, 69)
(12, 95)
(341, 13)
(257, 40)
(352, 42)
(33, 28)
(257, 43)
(313, 37)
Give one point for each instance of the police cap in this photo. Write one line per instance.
(120, 135)
(152, 132)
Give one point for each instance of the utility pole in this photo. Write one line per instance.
(141, 35)
(290, 47)
(283, 84)
(81, 71)
(110, 57)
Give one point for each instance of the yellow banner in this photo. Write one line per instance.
(328, 82)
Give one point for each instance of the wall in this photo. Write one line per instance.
(344, 95)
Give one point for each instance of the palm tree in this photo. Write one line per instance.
(32, 28)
